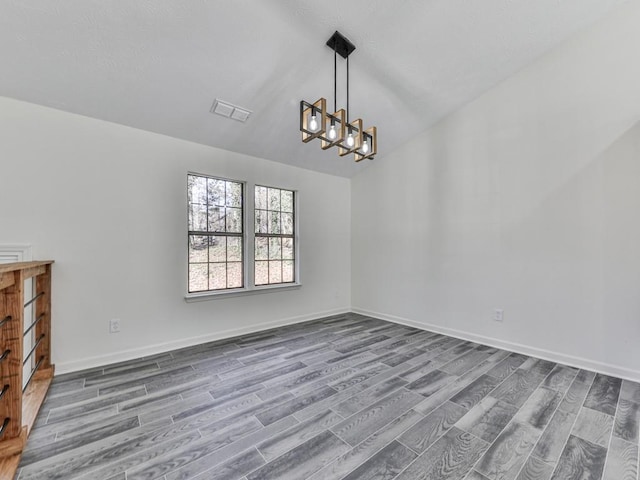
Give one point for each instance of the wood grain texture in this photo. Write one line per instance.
(43, 311)
(551, 443)
(506, 456)
(18, 409)
(622, 461)
(627, 421)
(465, 362)
(476, 391)
(350, 460)
(580, 460)
(593, 426)
(359, 426)
(603, 395)
(8, 466)
(385, 464)
(431, 382)
(32, 401)
(6, 280)
(452, 456)
(234, 467)
(507, 366)
(538, 366)
(517, 387)
(199, 410)
(487, 419)
(434, 401)
(267, 417)
(11, 306)
(630, 391)
(369, 396)
(304, 460)
(560, 378)
(70, 443)
(219, 455)
(353, 346)
(297, 434)
(539, 408)
(14, 266)
(535, 469)
(473, 475)
(577, 392)
(433, 426)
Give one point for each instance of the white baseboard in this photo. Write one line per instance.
(124, 355)
(579, 362)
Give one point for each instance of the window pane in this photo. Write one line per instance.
(261, 197)
(234, 249)
(216, 192)
(287, 201)
(274, 222)
(234, 194)
(274, 198)
(234, 275)
(215, 205)
(262, 273)
(216, 219)
(287, 248)
(274, 216)
(234, 220)
(217, 276)
(261, 221)
(275, 249)
(217, 249)
(197, 189)
(197, 218)
(287, 223)
(262, 248)
(275, 272)
(287, 271)
(197, 277)
(198, 248)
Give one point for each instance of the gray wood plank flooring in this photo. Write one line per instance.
(344, 397)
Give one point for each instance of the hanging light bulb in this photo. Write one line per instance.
(350, 140)
(365, 146)
(313, 123)
(332, 132)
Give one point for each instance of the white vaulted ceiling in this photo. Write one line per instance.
(158, 65)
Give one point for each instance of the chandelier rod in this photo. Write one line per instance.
(335, 78)
(348, 90)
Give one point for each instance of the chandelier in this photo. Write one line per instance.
(336, 129)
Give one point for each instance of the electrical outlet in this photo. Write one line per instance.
(498, 315)
(114, 325)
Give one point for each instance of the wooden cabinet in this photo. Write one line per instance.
(22, 391)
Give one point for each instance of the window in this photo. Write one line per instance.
(219, 247)
(215, 234)
(274, 236)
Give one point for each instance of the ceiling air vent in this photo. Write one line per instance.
(230, 110)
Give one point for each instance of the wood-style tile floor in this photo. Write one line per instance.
(346, 397)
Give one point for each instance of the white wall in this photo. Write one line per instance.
(108, 204)
(527, 199)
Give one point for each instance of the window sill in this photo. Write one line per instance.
(240, 292)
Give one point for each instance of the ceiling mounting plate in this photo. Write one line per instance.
(340, 44)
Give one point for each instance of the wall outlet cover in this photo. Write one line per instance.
(114, 325)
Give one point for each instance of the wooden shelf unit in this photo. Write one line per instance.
(19, 405)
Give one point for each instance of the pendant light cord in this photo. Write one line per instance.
(335, 78)
(348, 90)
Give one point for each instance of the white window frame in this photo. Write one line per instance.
(268, 236)
(248, 233)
